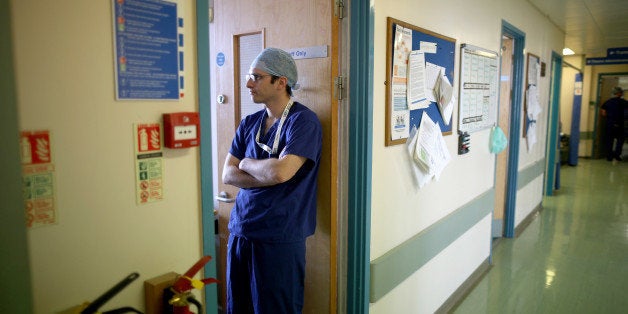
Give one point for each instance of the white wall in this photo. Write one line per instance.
(566, 97)
(65, 79)
(399, 209)
(567, 88)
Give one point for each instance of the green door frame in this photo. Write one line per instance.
(361, 35)
(553, 119)
(207, 188)
(515, 125)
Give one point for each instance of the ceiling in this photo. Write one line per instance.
(590, 26)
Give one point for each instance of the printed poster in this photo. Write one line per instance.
(148, 50)
(38, 178)
(149, 166)
(400, 123)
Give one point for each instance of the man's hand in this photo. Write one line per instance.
(248, 172)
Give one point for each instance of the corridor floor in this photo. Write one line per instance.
(572, 258)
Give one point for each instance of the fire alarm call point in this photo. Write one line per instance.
(181, 129)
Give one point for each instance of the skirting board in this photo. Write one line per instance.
(467, 286)
(526, 221)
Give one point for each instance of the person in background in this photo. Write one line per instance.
(274, 160)
(614, 110)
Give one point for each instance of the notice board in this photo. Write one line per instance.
(438, 52)
(479, 86)
(148, 50)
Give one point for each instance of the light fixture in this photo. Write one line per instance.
(567, 52)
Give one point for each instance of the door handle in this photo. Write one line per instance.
(224, 197)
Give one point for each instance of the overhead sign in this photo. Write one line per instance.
(617, 55)
(606, 61)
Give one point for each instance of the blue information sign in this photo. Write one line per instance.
(146, 52)
(220, 59)
(605, 61)
(617, 53)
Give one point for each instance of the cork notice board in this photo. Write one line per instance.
(438, 51)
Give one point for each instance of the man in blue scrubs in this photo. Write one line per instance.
(614, 110)
(274, 160)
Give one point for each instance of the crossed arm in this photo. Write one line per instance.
(249, 173)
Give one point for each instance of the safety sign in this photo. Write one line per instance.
(38, 178)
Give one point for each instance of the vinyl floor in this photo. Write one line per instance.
(572, 258)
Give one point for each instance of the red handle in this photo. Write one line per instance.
(184, 283)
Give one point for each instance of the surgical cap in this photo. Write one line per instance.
(277, 62)
(617, 90)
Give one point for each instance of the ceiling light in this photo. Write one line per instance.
(567, 52)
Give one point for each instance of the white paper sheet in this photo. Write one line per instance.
(431, 151)
(432, 73)
(428, 47)
(416, 81)
(400, 116)
(531, 135)
(420, 176)
(446, 98)
(533, 108)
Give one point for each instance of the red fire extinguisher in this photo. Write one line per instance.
(181, 290)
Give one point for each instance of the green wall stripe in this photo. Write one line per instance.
(530, 173)
(392, 268)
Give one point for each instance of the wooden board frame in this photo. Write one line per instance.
(450, 69)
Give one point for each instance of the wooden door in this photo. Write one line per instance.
(239, 31)
(501, 167)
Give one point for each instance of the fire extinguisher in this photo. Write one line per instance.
(180, 296)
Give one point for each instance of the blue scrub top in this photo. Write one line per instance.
(284, 212)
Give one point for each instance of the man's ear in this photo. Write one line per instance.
(283, 82)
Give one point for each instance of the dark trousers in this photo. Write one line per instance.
(614, 132)
(265, 278)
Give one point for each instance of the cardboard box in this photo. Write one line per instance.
(154, 292)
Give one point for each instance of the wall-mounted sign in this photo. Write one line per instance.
(308, 52)
(147, 53)
(38, 178)
(220, 59)
(577, 89)
(148, 163)
(478, 88)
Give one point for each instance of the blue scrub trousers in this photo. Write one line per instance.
(265, 278)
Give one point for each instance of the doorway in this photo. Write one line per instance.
(552, 173)
(235, 36)
(514, 129)
(503, 121)
(606, 82)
